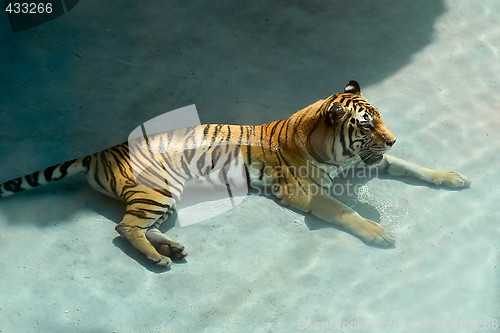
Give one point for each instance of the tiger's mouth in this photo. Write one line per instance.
(372, 158)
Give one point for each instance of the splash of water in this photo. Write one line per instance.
(392, 210)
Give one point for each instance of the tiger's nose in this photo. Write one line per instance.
(390, 143)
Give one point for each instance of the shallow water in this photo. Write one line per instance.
(84, 81)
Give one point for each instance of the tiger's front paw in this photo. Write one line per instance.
(372, 233)
(450, 179)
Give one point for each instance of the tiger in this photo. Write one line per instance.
(337, 133)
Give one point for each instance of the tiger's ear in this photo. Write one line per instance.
(353, 88)
(335, 112)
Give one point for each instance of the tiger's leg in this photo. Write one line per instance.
(331, 210)
(144, 209)
(133, 229)
(327, 208)
(395, 166)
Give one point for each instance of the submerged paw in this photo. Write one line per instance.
(451, 179)
(372, 233)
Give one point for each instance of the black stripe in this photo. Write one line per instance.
(189, 150)
(249, 146)
(185, 167)
(261, 172)
(287, 127)
(33, 179)
(166, 193)
(128, 191)
(273, 130)
(216, 154)
(112, 180)
(249, 155)
(236, 154)
(189, 153)
(138, 213)
(228, 138)
(106, 165)
(14, 185)
(298, 123)
(201, 161)
(113, 184)
(63, 168)
(309, 147)
(350, 131)
(148, 202)
(206, 130)
(345, 152)
(96, 174)
(247, 175)
(238, 145)
(214, 136)
(263, 128)
(171, 171)
(241, 135)
(120, 159)
(48, 172)
(170, 135)
(283, 161)
(152, 211)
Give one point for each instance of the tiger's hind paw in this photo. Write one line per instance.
(162, 261)
(176, 252)
(165, 245)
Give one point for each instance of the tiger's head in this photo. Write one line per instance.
(353, 128)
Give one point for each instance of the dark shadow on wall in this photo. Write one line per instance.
(299, 51)
(299, 40)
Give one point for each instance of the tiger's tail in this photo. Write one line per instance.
(45, 176)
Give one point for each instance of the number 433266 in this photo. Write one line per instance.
(29, 8)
